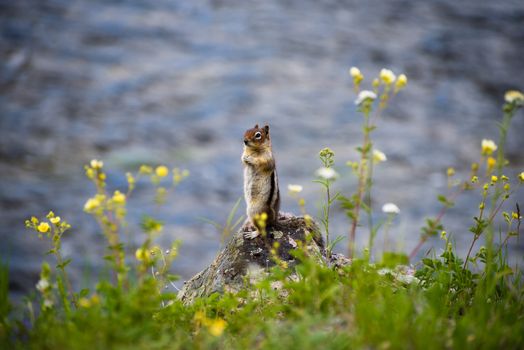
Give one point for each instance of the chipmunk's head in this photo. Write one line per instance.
(257, 137)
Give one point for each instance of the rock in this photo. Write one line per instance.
(243, 256)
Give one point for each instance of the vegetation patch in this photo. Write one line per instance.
(322, 299)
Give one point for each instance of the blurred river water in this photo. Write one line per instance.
(178, 82)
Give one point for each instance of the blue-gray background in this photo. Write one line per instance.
(177, 82)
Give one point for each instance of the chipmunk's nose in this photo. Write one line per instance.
(245, 142)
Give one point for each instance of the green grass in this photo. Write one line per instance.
(355, 307)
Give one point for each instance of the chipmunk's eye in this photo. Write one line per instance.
(258, 135)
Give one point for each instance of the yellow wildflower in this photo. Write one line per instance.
(173, 252)
(375, 83)
(488, 147)
(34, 220)
(216, 327)
(200, 317)
(130, 178)
(161, 171)
(43, 227)
(119, 197)
(91, 204)
(95, 299)
(308, 219)
(387, 76)
(507, 187)
(142, 254)
(490, 163)
(450, 172)
(474, 179)
(96, 164)
(402, 81)
(521, 176)
(494, 178)
(514, 96)
(505, 178)
(514, 215)
(84, 302)
(179, 175)
(90, 173)
(145, 169)
(379, 156)
(55, 220)
(261, 220)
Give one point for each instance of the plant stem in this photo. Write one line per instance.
(501, 160)
(368, 197)
(469, 251)
(418, 246)
(57, 236)
(490, 220)
(439, 217)
(326, 219)
(65, 278)
(364, 158)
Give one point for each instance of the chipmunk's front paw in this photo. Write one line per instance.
(247, 159)
(251, 235)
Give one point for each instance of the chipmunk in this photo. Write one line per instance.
(260, 179)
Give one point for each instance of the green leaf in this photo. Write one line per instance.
(392, 259)
(64, 263)
(173, 278)
(428, 262)
(337, 240)
(151, 225)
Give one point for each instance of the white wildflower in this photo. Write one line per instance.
(327, 173)
(514, 96)
(488, 147)
(354, 72)
(365, 95)
(379, 156)
(42, 285)
(408, 279)
(390, 208)
(294, 188)
(96, 164)
(384, 271)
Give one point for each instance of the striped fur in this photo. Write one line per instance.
(261, 189)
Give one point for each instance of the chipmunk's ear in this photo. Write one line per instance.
(266, 129)
(256, 126)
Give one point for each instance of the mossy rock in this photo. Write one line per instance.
(241, 255)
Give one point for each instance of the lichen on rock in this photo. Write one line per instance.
(243, 257)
